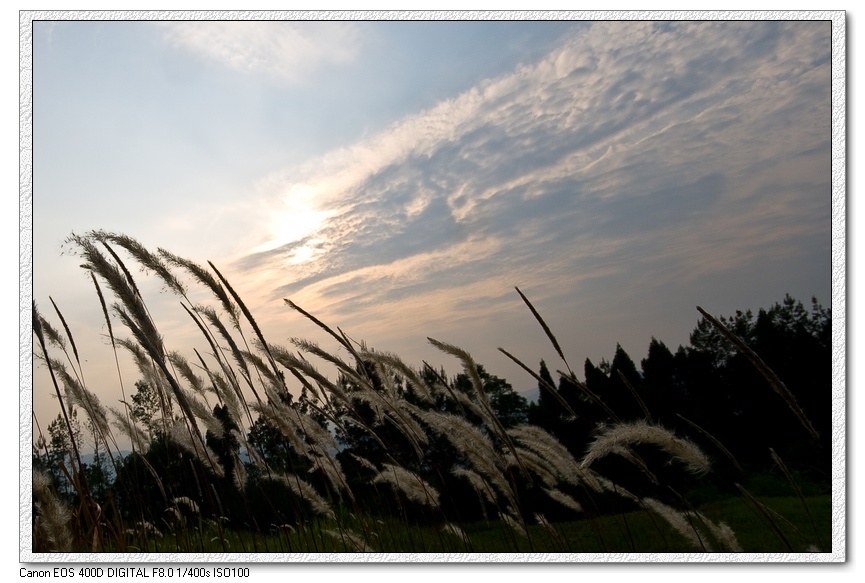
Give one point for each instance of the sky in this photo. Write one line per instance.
(398, 179)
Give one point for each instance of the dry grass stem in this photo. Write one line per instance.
(777, 385)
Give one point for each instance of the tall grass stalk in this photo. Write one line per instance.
(795, 485)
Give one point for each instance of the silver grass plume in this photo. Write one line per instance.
(555, 455)
(687, 523)
(679, 521)
(278, 414)
(313, 348)
(471, 369)
(302, 430)
(714, 441)
(304, 490)
(639, 432)
(351, 539)
(300, 367)
(454, 530)
(477, 482)
(232, 396)
(210, 314)
(147, 259)
(389, 383)
(187, 502)
(204, 276)
(616, 489)
(693, 524)
(256, 458)
(158, 356)
(309, 439)
(181, 364)
(564, 499)
(413, 486)
(475, 445)
(364, 462)
(136, 435)
(794, 484)
(246, 313)
(292, 362)
(440, 387)
(203, 412)
(466, 403)
(536, 464)
(339, 338)
(391, 361)
(480, 394)
(151, 373)
(546, 329)
(180, 434)
(722, 534)
(52, 517)
(551, 390)
(226, 394)
(274, 385)
(217, 354)
(122, 285)
(396, 411)
(513, 523)
(52, 334)
(80, 396)
(144, 528)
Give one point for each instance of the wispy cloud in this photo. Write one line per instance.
(284, 51)
(647, 150)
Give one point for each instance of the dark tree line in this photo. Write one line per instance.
(712, 384)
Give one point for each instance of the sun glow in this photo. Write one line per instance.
(308, 252)
(294, 218)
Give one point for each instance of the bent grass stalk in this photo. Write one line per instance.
(626, 434)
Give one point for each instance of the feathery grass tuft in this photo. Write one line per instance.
(637, 433)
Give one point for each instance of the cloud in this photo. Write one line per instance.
(655, 153)
(285, 51)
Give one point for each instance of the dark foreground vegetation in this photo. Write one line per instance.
(247, 446)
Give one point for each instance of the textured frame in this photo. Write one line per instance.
(838, 299)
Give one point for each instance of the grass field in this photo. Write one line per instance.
(387, 458)
(632, 531)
